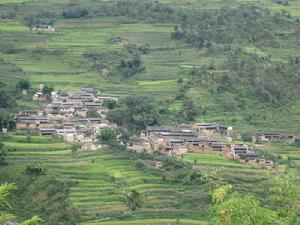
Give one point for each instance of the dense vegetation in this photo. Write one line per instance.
(233, 62)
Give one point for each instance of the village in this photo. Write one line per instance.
(67, 117)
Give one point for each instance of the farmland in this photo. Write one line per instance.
(100, 179)
(233, 62)
(59, 59)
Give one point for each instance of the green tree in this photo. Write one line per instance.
(233, 209)
(35, 169)
(93, 112)
(108, 136)
(6, 121)
(133, 200)
(35, 220)
(75, 147)
(189, 110)
(111, 104)
(7, 96)
(136, 111)
(23, 84)
(3, 153)
(47, 89)
(283, 197)
(5, 190)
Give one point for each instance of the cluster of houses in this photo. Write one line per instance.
(67, 116)
(177, 140)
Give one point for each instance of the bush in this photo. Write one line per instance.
(107, 136)
(35, 170)
(75, 12)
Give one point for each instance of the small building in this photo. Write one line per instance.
(207, 128)
(81, 112)
(270, 136)
(39, 96)
(138, 144)
(47, 131)
(32, 122)
(89, 90)
(42, 27)
(218, 146)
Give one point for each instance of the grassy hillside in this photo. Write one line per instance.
(77, 52)
(248, 81)
(99, 180)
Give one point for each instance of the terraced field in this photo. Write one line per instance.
(101, 179)
(58, 58)
(244, 177)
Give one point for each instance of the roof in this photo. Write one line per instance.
(271, 133)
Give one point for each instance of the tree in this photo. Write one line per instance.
(136, 111)
(133, 200)
(75, 12)
(283, 197)
(6, 121)
(143, 111)
(23, 84)
(4, 217)
(111, 103)
(233, 209)
(3, 152)
(35, 169)
(7, 97)
(93, 112)
(47, 90)
(35, 220)
(189, 110)
(75, 147)
(107, 136)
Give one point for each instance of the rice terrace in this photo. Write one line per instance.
(149, 112)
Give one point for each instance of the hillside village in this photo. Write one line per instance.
(66, 117)
(149, 112)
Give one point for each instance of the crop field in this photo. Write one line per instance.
(287, 152)
(59, 58)
(242, 176)
(101, 178)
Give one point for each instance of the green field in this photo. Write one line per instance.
(57, 58)
(75, 55)
(100, 179)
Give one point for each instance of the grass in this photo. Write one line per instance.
(101, 178)
(57, 58)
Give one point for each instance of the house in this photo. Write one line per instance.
(290, 139)
(266, 163)
(89, 90)
(41, 27)
(138, 144)
(207, 128)
(96, 105)
(244, 153)
(270, 136)
(81, 112)
(47, 131)
(172, 139)
(39, 96)
(218, 146)
(32, 122)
